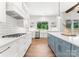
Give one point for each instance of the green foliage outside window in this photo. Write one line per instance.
(42, 25)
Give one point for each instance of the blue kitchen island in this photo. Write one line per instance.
(63, 46)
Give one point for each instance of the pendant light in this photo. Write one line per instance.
(59, 16)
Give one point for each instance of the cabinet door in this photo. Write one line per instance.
(53, 43)
(62, 48)
(58, 48)
(9, 50)
(24, 43)
(74, 51)
(45, 34)
(51, 40)
(66, 49)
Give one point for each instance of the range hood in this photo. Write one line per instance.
(13, 14)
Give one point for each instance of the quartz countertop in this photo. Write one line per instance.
(71, 39)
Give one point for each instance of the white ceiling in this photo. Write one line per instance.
(48, 8)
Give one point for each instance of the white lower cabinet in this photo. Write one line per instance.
(43, 34)
(24, 43)
(9, 50)
(17, 48)
(33, 34)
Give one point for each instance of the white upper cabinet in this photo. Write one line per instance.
(2, 12)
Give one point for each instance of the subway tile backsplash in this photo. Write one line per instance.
(5, 29)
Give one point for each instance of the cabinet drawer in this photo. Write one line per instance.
(9, 50)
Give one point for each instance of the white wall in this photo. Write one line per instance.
(2, 12)
(16, 25)
(8, 27)
(11, 21)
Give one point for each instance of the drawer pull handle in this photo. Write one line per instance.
(4, 50)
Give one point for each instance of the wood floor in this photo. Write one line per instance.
(39, 48)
